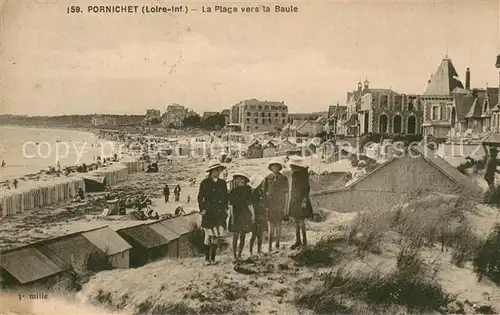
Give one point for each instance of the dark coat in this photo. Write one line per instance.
(276, 190)
(166, 191)
(241, 198)
(213, 200)
(299, 193)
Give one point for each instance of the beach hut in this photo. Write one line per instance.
(183, 226)
(147, 244)
(93, 182)
(169, 235)
(116, 249)
(26, 265)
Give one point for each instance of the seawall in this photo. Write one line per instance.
(48, 191)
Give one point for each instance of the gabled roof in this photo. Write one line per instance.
(433, 159)
(145, 236)
(164, 231)
(463, 105)
(445, 80)
(107, 240)
(180, 225)
(336, 111)
(475, 110)
(28, 264)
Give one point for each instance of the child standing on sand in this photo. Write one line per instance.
(260, 224)
(242, 214)
(276, 189)
(212, 201)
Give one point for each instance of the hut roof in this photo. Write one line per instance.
(28, 264)
(145, 236)
(107, 240)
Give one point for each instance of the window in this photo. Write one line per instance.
(256, 114)
(270, 121)
(283, 115)
(276, 115)
(268, 114)
(273, 107)
(249, 114)
(410, 106)
(260, 107)
(266, 107)
(248, 120)
(435, 113)
(252, 106)
(256, 120)
(284, 121)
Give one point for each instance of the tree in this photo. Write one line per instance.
(213, 122)
(192, 120)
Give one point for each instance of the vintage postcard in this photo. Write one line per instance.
(259, 157)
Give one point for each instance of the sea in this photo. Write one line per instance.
(28, 150)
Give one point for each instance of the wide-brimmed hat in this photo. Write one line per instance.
(297, 161)
(494, 149)
(215, 165)
(275, 161)
(241, 174)
(256, 180)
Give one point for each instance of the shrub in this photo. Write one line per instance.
(465, 246)
(322, 253)
(405, 286)
(492, 196)
(487, 260)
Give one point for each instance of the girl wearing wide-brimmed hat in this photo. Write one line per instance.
(213, 203)
(276, 190)
(242, 214)
(300, 206)
(260, 224)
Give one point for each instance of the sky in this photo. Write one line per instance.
(54, 63)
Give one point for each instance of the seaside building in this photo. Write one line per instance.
(227, 115)
(303, 128)
(103, 120)
(337, 116)
(174, 116)
(454, 110)
(445, 106)
(255, 115)
(370, 110)
(306, 116)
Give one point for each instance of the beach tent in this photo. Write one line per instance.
(94, 182)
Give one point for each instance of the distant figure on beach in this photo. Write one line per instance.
(179, 211)
(242, 213)
(166, 193)
(177, 193)
(80, 195)
(58, 165)
(3, 163)
(300, 207)
(260, 224)
(156, 216)
(188, 199)
(276, 192)
(15, 182)
(491, 167)
(213, 202)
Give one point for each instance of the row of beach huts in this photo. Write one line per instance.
(32, 194)
(117, 245)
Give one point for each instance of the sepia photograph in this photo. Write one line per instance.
(239, 157)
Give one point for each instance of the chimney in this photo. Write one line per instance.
(467, 79)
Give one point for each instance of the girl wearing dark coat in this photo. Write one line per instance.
(300, 206)
(213, 202)
(242, 215)
(259, 205)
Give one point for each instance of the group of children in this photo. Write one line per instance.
(254, 205)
